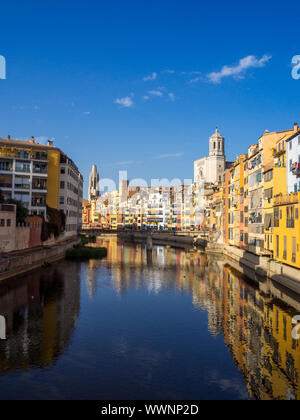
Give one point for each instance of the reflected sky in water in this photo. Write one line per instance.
(171, 324)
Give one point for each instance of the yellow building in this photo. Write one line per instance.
(286, 231)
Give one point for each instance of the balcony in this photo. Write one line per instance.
(22, 169)
(39, 184)
(22, 186)
(5, 185)
(296, 169)
(38, 202)
(287, 199)
(39, 156)
(40, 169)
(277, 152)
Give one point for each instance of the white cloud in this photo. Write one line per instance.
(170, 155)
(126, 102)
(153, 76)
(172, 96)
(146, 97)
(87, 113)
(156, 93)
(168, 72)
(125, 163)
(237, 71)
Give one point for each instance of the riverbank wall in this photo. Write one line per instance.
(258, 267)
(255, 267)
(19, 262)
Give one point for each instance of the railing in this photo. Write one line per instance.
(39, 171)
(22, 186)
(5, 185)
(22, 170)
(287, 199)
(39, 187)
(38, 203)
(277, 153)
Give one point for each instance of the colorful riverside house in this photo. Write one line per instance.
(287, 229)
(238, 201)
(286, 234)
(271, 141)
(231, 208)
(293, 162)
(246, 203)
(226, 205)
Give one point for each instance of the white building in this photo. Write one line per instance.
(70, 194)
(293, 163)
(211, 168)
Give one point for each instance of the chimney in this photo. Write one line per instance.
(50, 143)
(32, 140)
(295, 127)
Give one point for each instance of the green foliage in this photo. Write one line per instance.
(56, 224)
(86, 253)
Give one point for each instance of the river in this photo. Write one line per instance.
(173, 324)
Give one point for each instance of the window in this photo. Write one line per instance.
(8, 222)
(2, 222)
(276, 217)
(284, 247)
(62, 184)
(294, 250)
(61, 200)
(62, 171)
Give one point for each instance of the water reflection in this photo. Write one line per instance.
(255, 319)
(172, 324)
(40, 312)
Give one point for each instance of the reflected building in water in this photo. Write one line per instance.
(255, 320)
(40, 312)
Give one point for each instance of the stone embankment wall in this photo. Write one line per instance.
(264, 267)
(19, 262)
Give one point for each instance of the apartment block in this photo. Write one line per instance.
(39, 175)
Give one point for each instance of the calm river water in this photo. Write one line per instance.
(174, 325)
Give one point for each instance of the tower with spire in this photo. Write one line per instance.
(93, 184)
(217, 144)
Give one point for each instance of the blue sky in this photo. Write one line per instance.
(141, 85)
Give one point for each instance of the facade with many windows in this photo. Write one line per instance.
(41, 176)
(70, 194)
